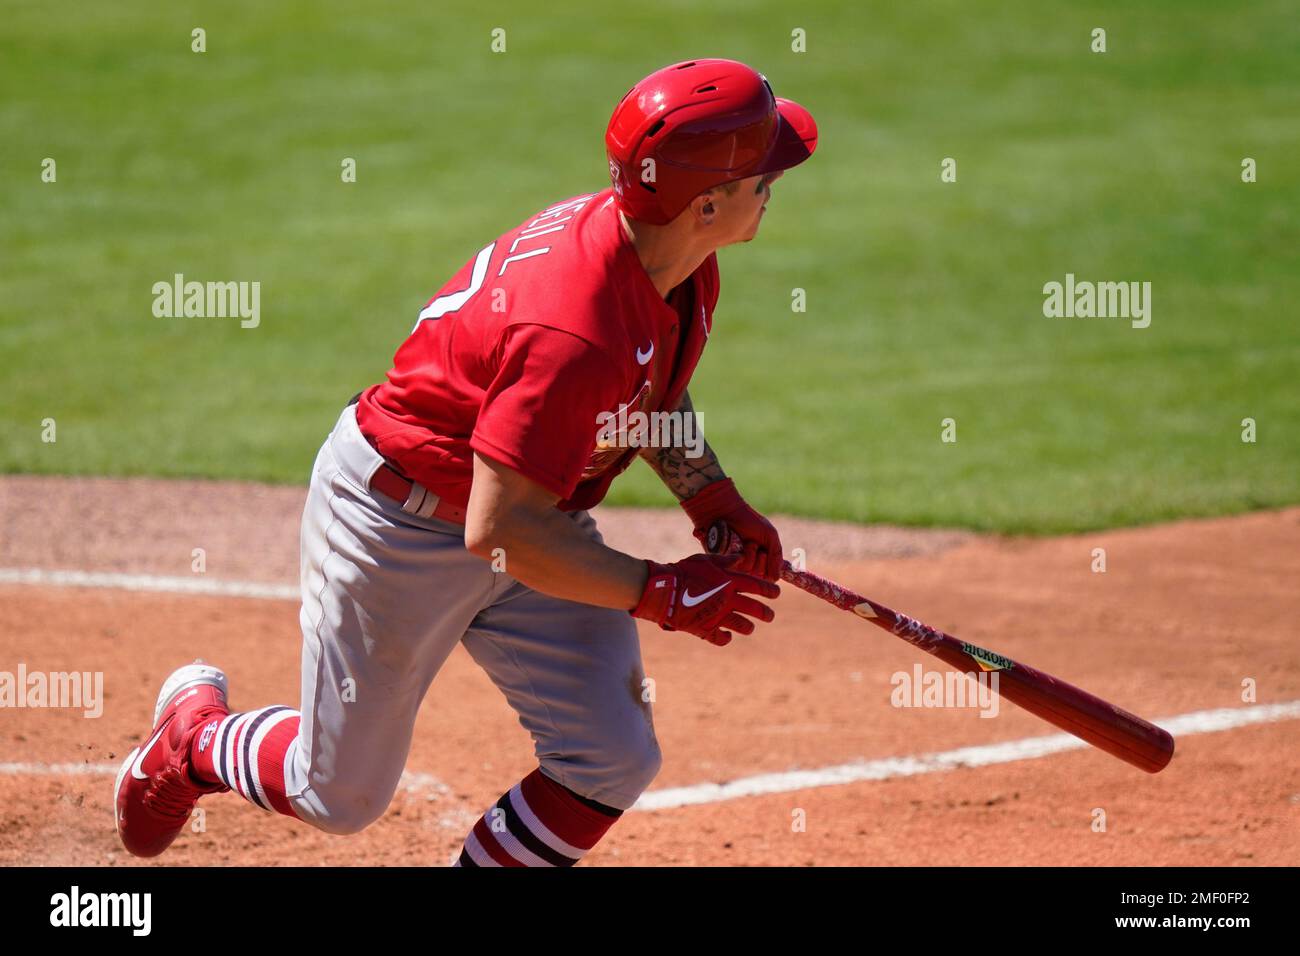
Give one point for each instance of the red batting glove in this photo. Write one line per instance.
(761, 545)
(702, 595)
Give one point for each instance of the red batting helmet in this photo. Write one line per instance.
(695, 125)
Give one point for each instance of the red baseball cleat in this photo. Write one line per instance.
(155, 791)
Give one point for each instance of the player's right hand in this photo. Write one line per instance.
(703, 596)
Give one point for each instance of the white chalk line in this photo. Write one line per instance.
(411, 782)
(985, 755)
(149, 583)
(1029, 748)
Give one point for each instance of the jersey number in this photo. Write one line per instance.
(452, 301)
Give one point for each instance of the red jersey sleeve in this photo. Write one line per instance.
(539, 414)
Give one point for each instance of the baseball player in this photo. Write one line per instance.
(449, 505)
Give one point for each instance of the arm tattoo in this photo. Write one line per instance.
(684, 475)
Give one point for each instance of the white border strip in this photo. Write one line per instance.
(149, 582)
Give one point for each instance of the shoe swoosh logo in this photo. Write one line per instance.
(690, 600)
(643, 357)
(144, 752)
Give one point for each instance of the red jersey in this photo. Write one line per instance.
(518, 355)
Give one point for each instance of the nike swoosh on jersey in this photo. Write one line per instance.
(690, 600)
(643, 357)
(144, 751)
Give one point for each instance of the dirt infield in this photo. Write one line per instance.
(1183, 614)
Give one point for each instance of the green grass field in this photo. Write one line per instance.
(924, 298)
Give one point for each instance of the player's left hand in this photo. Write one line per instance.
(760, 544)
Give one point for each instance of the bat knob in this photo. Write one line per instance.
(713, 539)
(719, 539)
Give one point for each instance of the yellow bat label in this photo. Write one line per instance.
(987, 660)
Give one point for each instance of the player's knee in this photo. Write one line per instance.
(340, 811)
(626, 766)
(349, 817)
(643, 768)
(338, 804)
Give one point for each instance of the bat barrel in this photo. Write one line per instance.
(1107, 727)
(1091, 719)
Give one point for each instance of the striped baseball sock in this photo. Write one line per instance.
(247, 753)
(537, 823)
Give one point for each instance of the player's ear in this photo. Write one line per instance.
(704, 207)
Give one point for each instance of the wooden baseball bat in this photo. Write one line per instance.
(1100, 723)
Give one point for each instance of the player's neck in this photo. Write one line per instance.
(669, 254)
